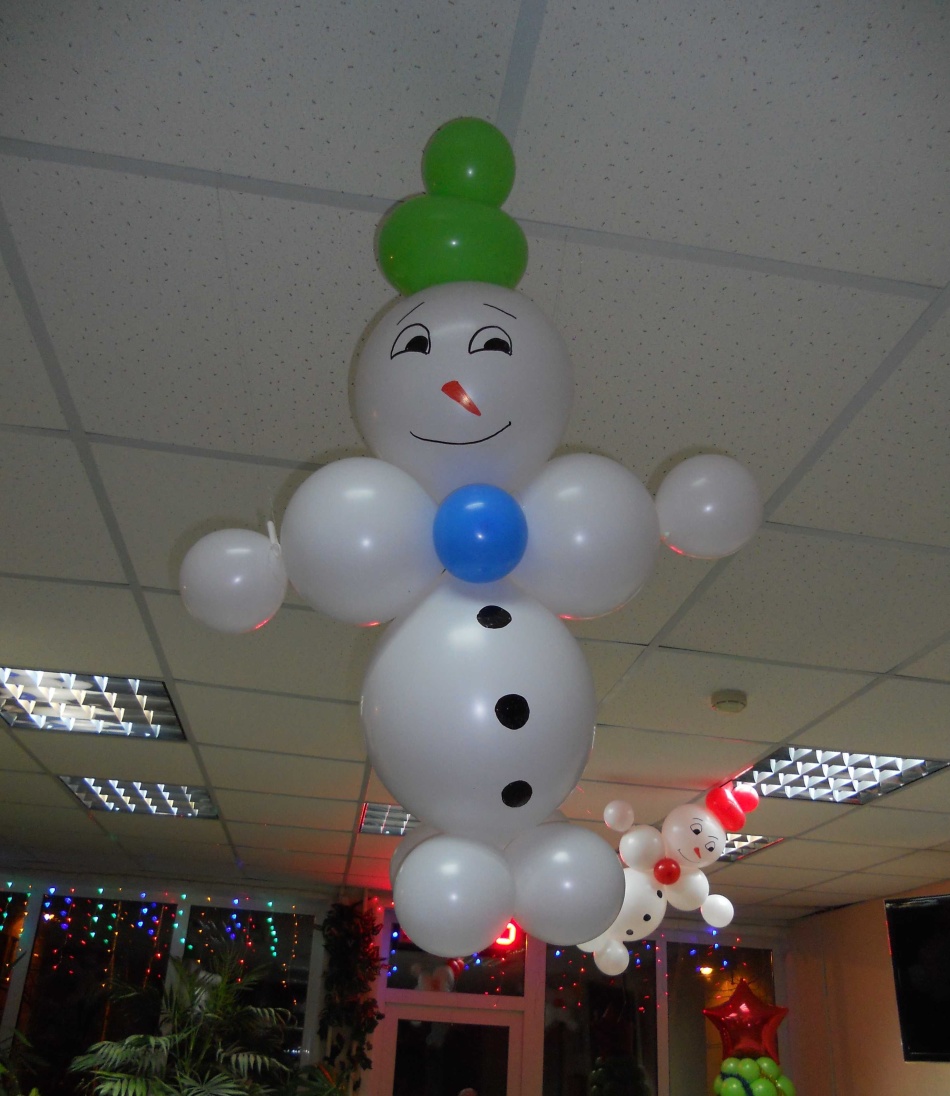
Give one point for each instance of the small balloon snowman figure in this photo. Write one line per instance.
(478, 706)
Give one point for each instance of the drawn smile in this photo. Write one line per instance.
(477, 441)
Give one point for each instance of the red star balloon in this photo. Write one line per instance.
(747, 1025)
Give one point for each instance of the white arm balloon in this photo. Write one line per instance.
(357, 541)
(233, 580)
(717, 911)
(593, 536)
(709, 507)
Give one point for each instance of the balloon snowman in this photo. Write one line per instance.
(664, 867)
(478, 706)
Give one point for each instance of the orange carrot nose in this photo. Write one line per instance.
(456, 392)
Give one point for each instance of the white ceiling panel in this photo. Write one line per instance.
(49, 505)
(36, 403)
(52, 625)
(587, 801)
(673, 358)
(929, 794)
(872, 825)
(753, 873)
(776, 816)
(247, 835)
(273, 721)
(932, 864)
(831, 855)
(670, 691)
(288, 810)
(319, 94)
(868, 885)
(750, 132)
(846, 604)
(13, 758)
(161, 831)
(299, 651)
(159, 291)
(38, 789)
(609, 662)
(936, 664)
(113, 757)
(282, 774)
(680, 761)
(915, 713)
(888, 474)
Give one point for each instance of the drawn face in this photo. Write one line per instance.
(693, 836)
(644, 906)
(464, 383)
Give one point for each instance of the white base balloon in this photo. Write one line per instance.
(233, 580)
(453, 896)
(569, 883)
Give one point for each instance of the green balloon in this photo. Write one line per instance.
(762, 1086)
(430, 240)
(769, 1067)
(469, 158)
(749, 1069)
(730, 1067)
(732, 1086)
(785, 1086)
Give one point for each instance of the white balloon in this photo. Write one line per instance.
(618, 815)
(479, 710)
(593, 536)
(568, 882)
(357, 541)
(689, 891)
(414, 837)
(464, 383)
(453, 896)
(693, 835)
(612, 958)
(709, 506)
(233, 580)
(717, 911)
(641, 847)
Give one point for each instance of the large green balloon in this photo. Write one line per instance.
(732, 1086)
(785, 1086)
(749, 1069)
(469, 158)
(762, 1086)
(429, 240)
(770, 1068)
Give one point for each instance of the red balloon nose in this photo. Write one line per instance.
(456, 392)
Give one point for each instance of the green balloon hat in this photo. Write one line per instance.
(456, 231)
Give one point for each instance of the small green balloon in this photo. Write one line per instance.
(430, 240)
(749, 1069)
(469, 158)
(785, 1086)
(730, 1067)
(732, 1086)
(717, 1084)
(769, 1067)
(762, 1086)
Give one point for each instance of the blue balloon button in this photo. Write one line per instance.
(480, 533)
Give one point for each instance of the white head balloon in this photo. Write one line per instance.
(464, 383)
(693, 835)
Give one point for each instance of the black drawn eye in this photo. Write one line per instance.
(710, 846)
(413, 339)
(696, 828)
(490, 338)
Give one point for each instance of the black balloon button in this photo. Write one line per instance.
(512, 711)
(493, 616)
(516, 794)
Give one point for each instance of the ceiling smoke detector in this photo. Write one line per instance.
(729, 701)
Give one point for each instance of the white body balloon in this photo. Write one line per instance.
(592, 519)
(233, 580)
(709, 506)
(357, 541)
(479, 711)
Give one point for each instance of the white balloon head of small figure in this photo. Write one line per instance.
(696, 835)
(462, 383)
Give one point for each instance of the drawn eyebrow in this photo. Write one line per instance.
(410, 312)
(497, 309)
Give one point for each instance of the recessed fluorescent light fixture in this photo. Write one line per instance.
(49, 700)
(834, 776)
(141, 797)
(387, 819)
(741, 845)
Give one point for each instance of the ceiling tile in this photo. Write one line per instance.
(299, 651)
(250, 719)
(888, 474)
(248, 835)
(731, 136)
(868, 884)
(660, 759)
(840, 603)
(288, 810)
(670, 690)
(375, 846)
(322, 95)
(870, 825)
(13, 758)
(608, 662)
(931, 865)
(36, 789)
(282, 774)
(780, 817)
(61, 626)
(113, 757)
(36, 403)
(752, 873)
(835, 856)
(935, 664)
(587, 801)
